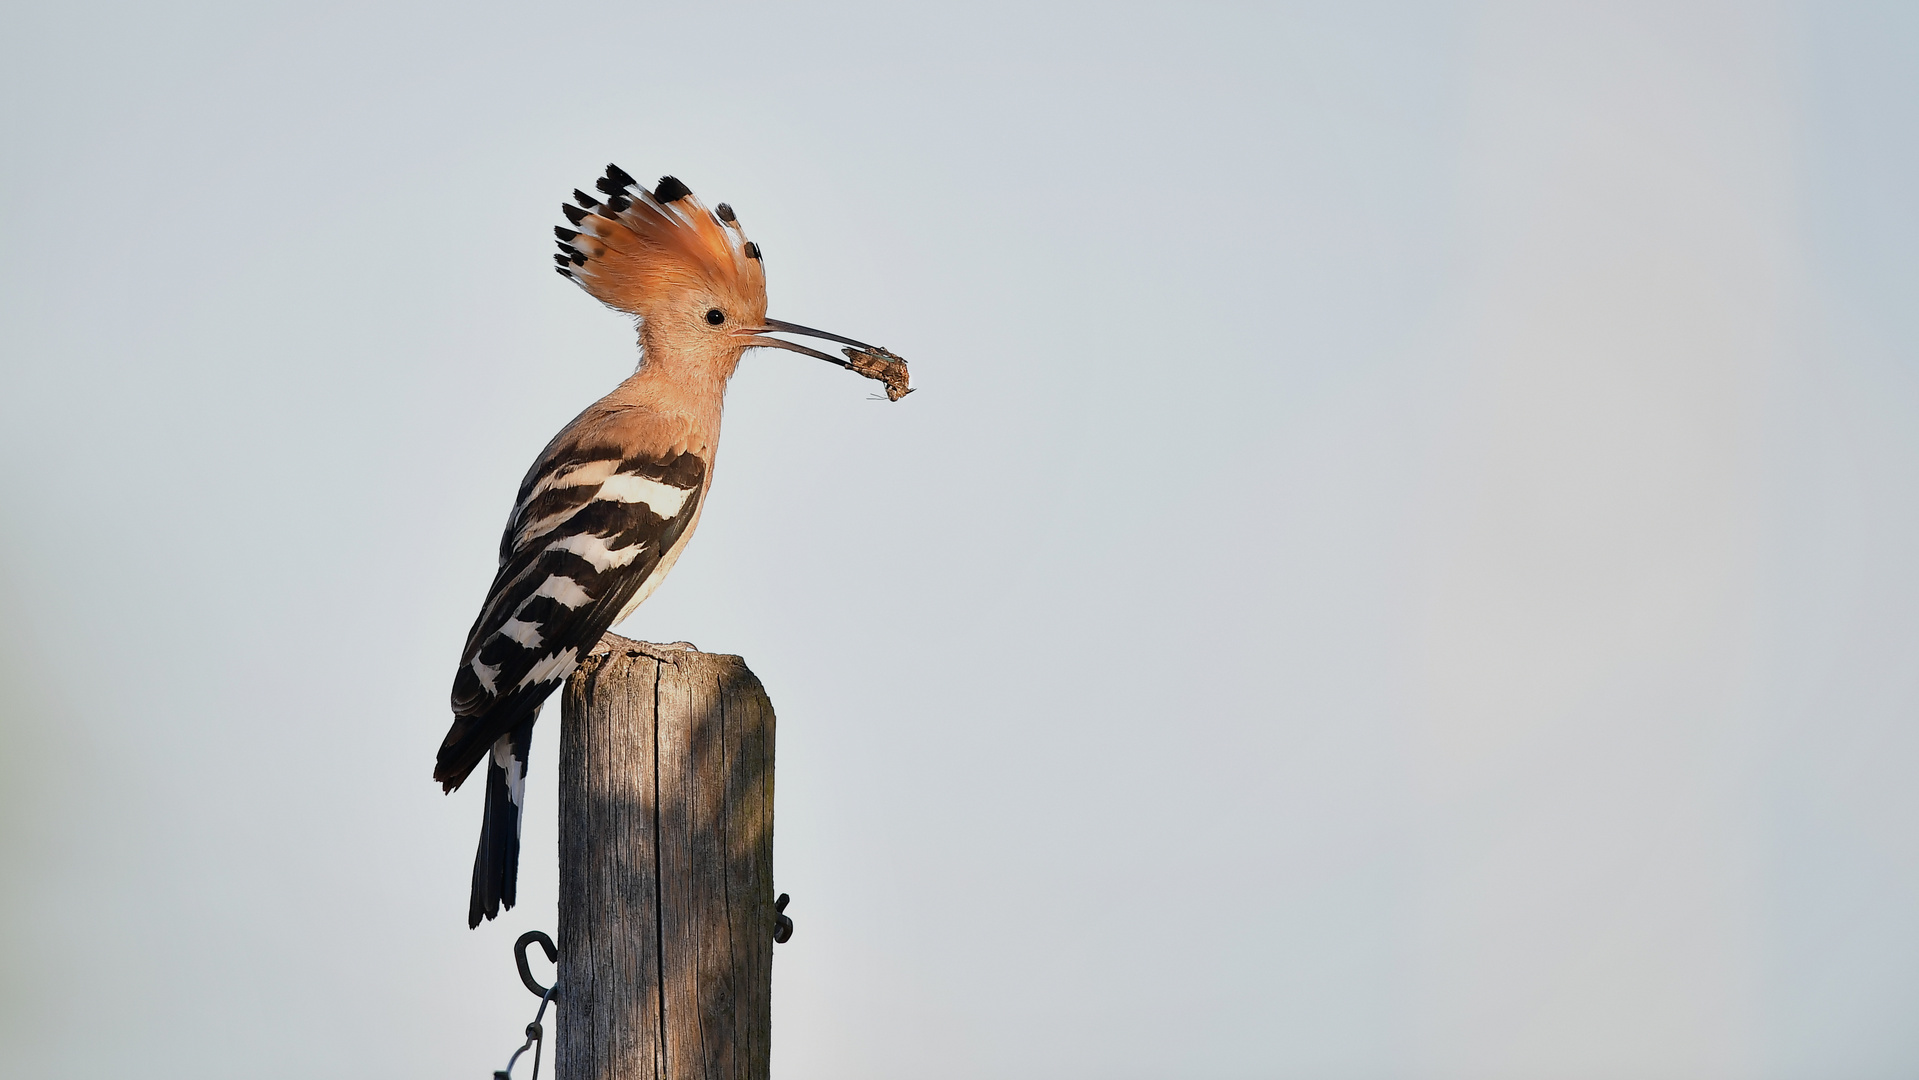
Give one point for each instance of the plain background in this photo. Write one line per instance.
(1401, 563)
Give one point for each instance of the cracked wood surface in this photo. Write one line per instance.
(666, 867)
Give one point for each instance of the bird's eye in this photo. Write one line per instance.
(715, 316)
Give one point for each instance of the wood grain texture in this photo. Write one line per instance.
(666, 867)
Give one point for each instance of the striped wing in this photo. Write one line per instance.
(587, 535)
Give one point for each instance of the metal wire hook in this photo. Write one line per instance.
(526, 974)
(782, 924)
(535, 1034)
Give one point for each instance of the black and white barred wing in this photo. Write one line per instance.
(589, 538)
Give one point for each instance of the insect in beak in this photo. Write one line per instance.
(861, 358)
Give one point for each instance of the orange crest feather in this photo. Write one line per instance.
(638, 247)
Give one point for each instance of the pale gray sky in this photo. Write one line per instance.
(1401, 564)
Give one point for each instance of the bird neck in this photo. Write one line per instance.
(693, 389)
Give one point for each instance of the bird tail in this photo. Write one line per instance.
(496, 868)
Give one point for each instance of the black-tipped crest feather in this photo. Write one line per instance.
(670, 190)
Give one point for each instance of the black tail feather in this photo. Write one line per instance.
(496, 867)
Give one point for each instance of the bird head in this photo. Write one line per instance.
(697, 284)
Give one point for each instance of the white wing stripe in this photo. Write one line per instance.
(553, 668)
(526, 633)
(591, 472)
(546, 525)
(664, 500)
(594, 550)
(487, 673)
(564, 589)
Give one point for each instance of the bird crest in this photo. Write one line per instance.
(632, 248)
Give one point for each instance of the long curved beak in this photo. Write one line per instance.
(755, 335)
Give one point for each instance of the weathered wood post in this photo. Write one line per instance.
(666, 867)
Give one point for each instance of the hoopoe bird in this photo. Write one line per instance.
(609, 505)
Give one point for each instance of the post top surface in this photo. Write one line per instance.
(611, 644)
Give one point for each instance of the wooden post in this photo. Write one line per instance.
(666, 867)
